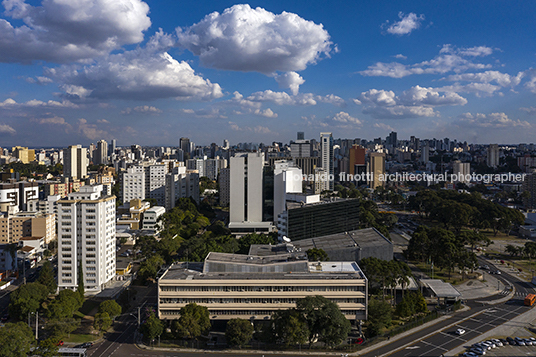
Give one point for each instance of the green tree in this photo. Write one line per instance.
(379, 314)
(325, 320)
(27, 298)
(16, 340)
(317, 255)
(152, 327)
(46, 277)
(290, 327)
(102, 321)
(149, 268)
(238, 332)
(65, 304)
(111, 307)
(194, 321)
(48, 347)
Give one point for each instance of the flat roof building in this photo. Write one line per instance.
(254, 286)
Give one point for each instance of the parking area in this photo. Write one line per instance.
(512, 351)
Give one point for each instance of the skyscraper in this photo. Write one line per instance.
(493, 155)
(75, 162)
(376, 169)
(113, 147)
(326, 142)
(101, 156)
(184, 144)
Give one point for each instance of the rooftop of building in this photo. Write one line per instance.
(368, 237)
(294, 205)
(306, 270)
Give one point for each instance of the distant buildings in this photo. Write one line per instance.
(492, 158)
(17, 195)
(461, 171)
(23, 154)
(376, 169)
(75, 162)
(181, 183)
(326, 142)
(86, 239)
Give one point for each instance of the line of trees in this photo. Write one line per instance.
(457, 210)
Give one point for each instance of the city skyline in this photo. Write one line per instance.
(152, 72)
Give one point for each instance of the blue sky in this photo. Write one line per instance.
(151, 72)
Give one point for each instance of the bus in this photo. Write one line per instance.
(72, 352)
(530, 299)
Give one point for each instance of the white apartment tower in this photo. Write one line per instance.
(287, 179)
(86, 239)
(133, 184)
(461, 170)
(181, 183)
(326, 142)
(75, 162)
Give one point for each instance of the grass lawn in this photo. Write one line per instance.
(80, 338)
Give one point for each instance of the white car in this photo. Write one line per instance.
(497, 342)
(460, 331)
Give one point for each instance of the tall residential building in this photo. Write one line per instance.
(226, 144)
(425, 153)
(181, 183)
(113, 147)
(461, 170)
(75, 162)
(86, 239)
(300, 135)
(246, 193)
(357, 159)
(377, 169)
(133, 184)
(23, 154)
(392, 139)
(101, 153)
(326, 142)
(492, 158)
(17, 195)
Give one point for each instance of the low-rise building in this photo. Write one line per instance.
(150, 218)
(253, 287)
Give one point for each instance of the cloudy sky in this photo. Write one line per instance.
(149, 72)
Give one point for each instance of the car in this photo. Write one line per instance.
(520, 341)
(527, 341)
(60, 343)
(471, 354)
(497, 342)
(460, 331)
(533, 341)
(498, 272)
(87, 344)
(478, 351)
(487, 345)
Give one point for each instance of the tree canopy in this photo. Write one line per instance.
(238, 332)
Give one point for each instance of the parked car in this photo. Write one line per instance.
(60, 343)
(478, 351)
(497, 342)
(87, 344)
(460, 331)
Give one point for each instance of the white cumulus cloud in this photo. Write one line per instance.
(291, 80)
(64, 31)
(450, 59)
(142, 74)
(406, 25)
(6, 129)
(246, 39)
(493, 120)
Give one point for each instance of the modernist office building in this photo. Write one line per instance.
(253, 287)
(318, 219)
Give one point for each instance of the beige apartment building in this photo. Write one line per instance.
(27, 224)
(253, 287)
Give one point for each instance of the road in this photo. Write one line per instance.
(476, 321)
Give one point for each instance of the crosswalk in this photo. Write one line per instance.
(517, 293)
